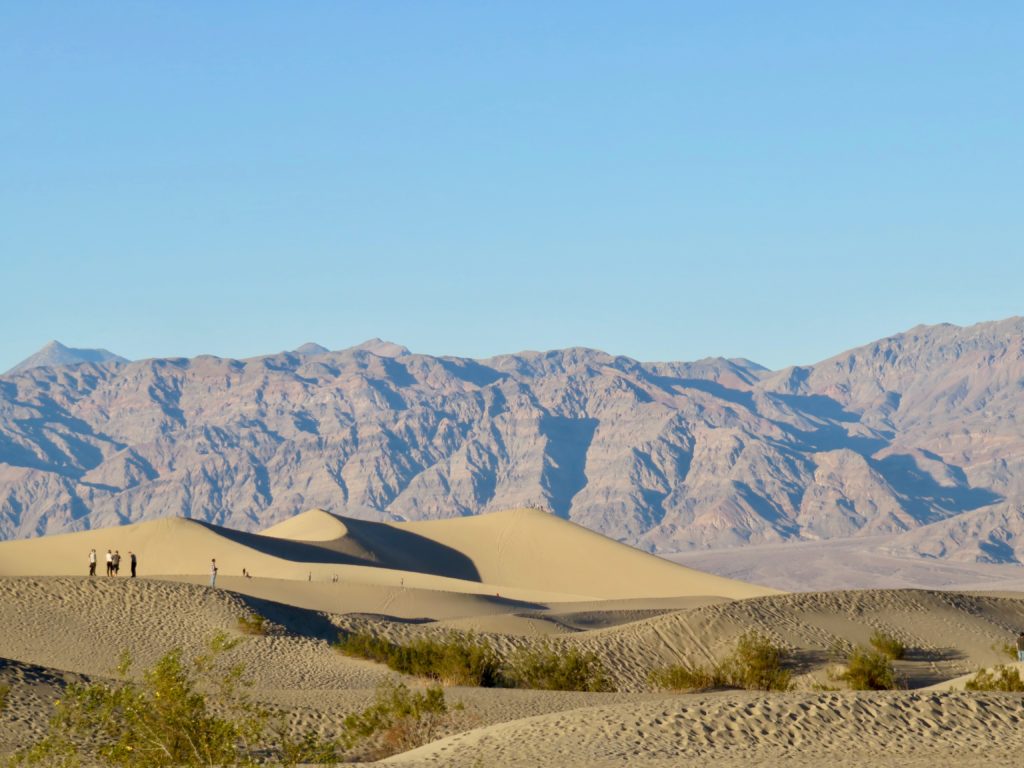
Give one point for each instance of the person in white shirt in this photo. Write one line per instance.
(110, 563)
(213, 573)
(92, 562)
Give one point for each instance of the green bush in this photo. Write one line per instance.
(253, 624)
(682, 677)
(557, 669)
(1002, 678)
(869, 671)
(166, 719)
(887, 645)
(5, 692)
(755, 664)
(455, 659)
(162, 721)
(458, 659)
(398, 720)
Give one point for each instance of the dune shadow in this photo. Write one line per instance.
(296, 621)
(933, 654)
(376, 545)
(804, 661)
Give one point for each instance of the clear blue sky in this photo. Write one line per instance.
(779, 181)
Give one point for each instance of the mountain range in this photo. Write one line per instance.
(913, 438)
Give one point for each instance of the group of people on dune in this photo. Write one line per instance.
(113, 562)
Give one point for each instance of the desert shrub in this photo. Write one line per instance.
(869, 671)
(455, 659)
(682, 677)
(398, 720)
(5, 692)
(755, 664)
(1009, 650)
(458, 659)
(163, 720)
(557, 669)
(253, 624)
(1002, 678)
(887, 645)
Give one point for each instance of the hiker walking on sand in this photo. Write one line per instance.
(134, 562)
(1020, 646)
(92, 562)
(213, 573)
(110, 563)
(115, 564)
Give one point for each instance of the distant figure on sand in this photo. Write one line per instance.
(134, 562)
(116, 562)
(1020, 646)
(110, 563)
(213, 573)
(92, 562)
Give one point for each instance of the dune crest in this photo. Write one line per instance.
(521, 554)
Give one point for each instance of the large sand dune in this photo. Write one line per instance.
(558, 585)
(522, 554)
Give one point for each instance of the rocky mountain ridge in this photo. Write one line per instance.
(913, 437)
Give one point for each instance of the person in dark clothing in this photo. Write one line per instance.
(134, 562)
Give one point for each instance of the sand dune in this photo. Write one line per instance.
(522, 554)
(558, 584)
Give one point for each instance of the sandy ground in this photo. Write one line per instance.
(59, 628)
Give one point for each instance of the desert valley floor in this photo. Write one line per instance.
(520, 578)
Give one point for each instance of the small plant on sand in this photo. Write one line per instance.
(1002, 678)
(160, 721)
(755, 664)
(868, 671)
(887, 645)
(684, 677)
(457, 659)
(253, 624)
(5, 692)
(454, 659)
(557, 669)
(398, 720)
(1009, 650)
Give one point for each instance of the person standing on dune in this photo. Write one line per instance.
(134, 562)
(213, 573)
(92, 562)
(1020, 646)
(110, 563)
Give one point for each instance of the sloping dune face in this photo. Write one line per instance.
(531, 548)
(521, 553)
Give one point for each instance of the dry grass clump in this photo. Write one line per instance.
(887, 645)
(397, 721)
(1002, 678)
(458, 659)
(755, 664)
(253, 624)
(5, 692)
